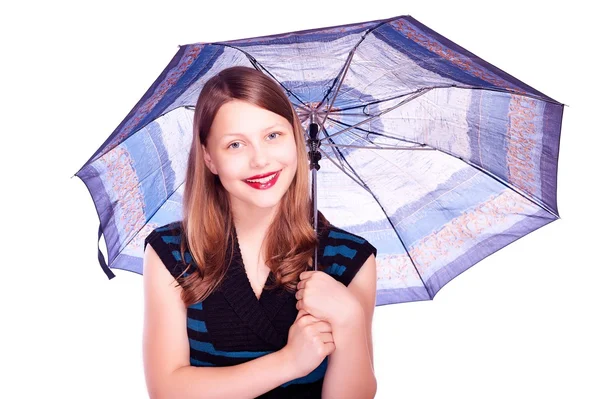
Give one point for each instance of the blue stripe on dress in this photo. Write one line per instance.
(343, 250)
(171, 239)
(199, 363)
(196, 325)
(177, 256)
(345, 236)
(335, 269)
(207, 347)
(313, 376)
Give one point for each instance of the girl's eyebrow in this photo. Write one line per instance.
(242, 134)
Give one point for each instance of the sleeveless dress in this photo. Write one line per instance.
(232, 326)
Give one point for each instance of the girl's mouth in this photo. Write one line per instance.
(264, 183)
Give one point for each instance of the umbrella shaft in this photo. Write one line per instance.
(315, 215)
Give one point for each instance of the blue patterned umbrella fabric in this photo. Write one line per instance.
(435, 156)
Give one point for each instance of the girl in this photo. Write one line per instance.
(250, 317)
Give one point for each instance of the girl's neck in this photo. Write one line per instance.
(253, 224)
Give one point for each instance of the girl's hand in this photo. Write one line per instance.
(326, 298)
(310, 340)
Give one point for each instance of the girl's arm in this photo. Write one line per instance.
(246, 380)
(350, 372)
(166, 350)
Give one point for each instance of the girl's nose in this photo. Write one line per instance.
(259, 158)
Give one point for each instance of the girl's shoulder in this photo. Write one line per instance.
(166, 240)
(343, 253)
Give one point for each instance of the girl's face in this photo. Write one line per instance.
(245, 141)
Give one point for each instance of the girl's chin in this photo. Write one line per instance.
(257, 203)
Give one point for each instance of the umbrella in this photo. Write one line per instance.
(435, 156)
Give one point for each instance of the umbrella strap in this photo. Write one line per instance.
(103, 264)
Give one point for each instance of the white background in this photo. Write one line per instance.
(522, 323)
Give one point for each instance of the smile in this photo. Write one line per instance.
(263, 183)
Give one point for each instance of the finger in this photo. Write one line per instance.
(299, 294)
(306, 274)
(301, 313)
(323, 326)
(326, 337)
(329, 347)
(307, 319)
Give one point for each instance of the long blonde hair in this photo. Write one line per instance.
(207, 218)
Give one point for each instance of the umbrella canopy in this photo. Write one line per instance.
(435, 156)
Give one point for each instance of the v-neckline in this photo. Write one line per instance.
(270, 277)
(257, 313)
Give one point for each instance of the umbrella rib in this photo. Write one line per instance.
(341, 167)
(419, 93)
(374, 133)
(347, 65)
(342, 159)
(336, 153)
(363, 185)
(375, 148)
(257, 65)
(373, 103)
(359, 137)
(502, 181)
(455, 86)
(341, 80)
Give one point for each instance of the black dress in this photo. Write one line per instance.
(232, 326)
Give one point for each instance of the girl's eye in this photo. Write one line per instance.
(237, 142)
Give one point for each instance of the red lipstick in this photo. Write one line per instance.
(260, 176)
(264, 185)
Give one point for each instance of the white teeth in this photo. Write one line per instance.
(263, 180)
